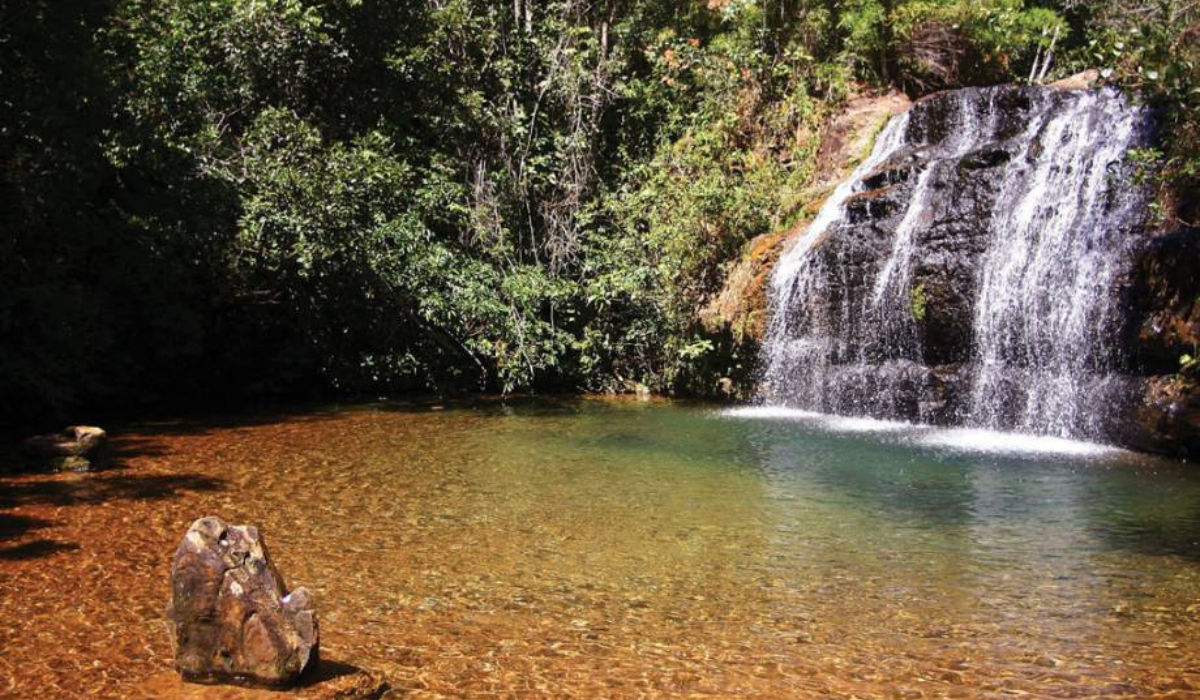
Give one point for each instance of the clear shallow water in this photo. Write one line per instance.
(593, 548)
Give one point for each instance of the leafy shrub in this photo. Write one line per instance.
(286, 197)
(1153, 48)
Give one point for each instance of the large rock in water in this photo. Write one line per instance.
(231, 617)
(73, 441)
(67, 450)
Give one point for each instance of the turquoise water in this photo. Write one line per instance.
(602, 548)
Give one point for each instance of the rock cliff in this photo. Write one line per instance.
(993, 264)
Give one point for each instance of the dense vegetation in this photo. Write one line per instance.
(214, 199)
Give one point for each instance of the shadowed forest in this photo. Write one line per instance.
(242, 200)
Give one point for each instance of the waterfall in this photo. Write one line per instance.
(970, 270)
(1046, 315)
(799, 361)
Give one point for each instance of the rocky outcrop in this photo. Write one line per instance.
(991, 264)
(73, 441)
(1166, 337)
(73, 449)
(741, 305)
(231, 617)
(1167, 419)
(1084, 80)
(1166, 301)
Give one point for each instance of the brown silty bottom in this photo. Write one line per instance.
(590, 548)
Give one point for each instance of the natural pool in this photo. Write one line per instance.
(602, 548)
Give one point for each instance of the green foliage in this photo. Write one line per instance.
(933, 44)
(919, 301)
(729, 168)
(1152, 47)
(247, 198)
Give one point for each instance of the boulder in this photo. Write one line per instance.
(231, 617)
(73, 441)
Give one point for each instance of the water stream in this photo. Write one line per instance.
(1047, 318)
(1020, 201)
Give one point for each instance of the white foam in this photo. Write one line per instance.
(770, 412)
(978, 440)
(828, 421)
(851, 424)
(959, 439)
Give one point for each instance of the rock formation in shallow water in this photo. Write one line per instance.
(231, 617)
(65, 451)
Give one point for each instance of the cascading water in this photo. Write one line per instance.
(970, 270)
(1061, 241)
(798, 362)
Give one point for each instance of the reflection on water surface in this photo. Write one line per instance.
(591, 548)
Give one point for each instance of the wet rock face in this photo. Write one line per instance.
(230, 615)
(953, 228)
(1166, 304)
(1167, 300)
(992, 265)
(909, 356)
(1167, 420)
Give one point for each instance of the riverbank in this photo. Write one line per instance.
(588, 547)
